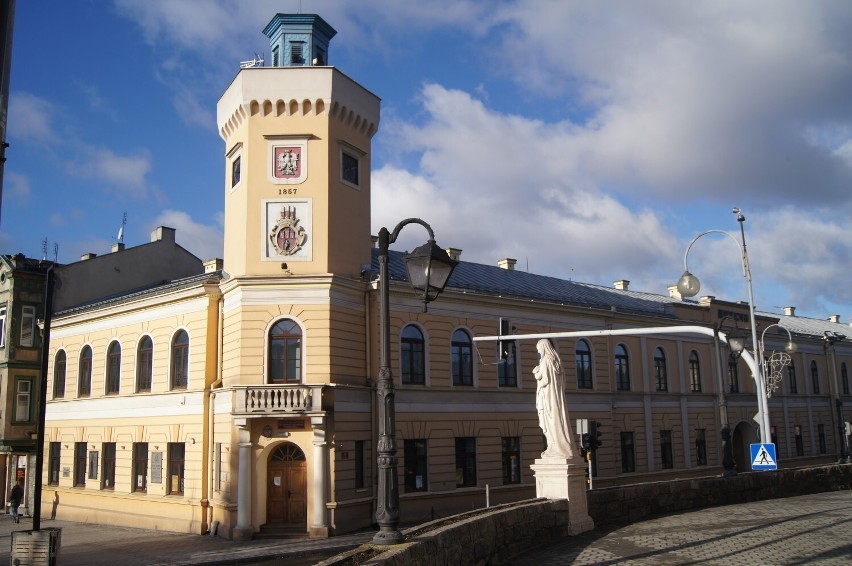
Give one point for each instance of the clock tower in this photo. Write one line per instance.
(297, 159)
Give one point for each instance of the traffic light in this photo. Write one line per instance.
(585, 439)
(595, 434)
(505, 347)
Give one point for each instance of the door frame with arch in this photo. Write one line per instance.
(286, 485)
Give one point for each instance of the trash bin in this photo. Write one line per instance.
(35, 548)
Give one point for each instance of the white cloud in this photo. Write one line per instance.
(206, 241)
(16, 187)
(122, 174)
(31, 118)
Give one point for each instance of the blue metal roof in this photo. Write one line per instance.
(498, 281)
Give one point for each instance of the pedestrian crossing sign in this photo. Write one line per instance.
(763, 457)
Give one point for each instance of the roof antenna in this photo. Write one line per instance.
(44, 250)
(120, 237)
(56, 252)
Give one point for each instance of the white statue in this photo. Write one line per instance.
(550, 402)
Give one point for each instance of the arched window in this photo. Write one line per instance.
(844, 378)
(113, 381)
(694, 372)
(59, 375)
(462, 351)
(285, 352)
(791, 377)
(180, 360)
(660, 375)
(583, 358)
(413, 356)
(84, 376)
(144, 364)
(622, 368)
(815, 376)
(734, 374)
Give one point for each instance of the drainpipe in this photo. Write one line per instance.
(210, 404)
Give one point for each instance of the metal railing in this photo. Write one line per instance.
(277, 399)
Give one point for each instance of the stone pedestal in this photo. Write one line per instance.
(562, 478)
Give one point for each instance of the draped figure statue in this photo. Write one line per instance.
(550, 402)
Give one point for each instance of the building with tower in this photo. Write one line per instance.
(238, 397)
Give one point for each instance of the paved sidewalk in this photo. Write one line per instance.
(103, 545)
(811, 529)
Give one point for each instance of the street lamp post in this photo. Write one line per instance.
(688, 285)
(831, 338)
(735, 344)
(429, 268)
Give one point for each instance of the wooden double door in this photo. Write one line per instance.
(286, 493)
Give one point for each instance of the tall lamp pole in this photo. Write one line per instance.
(831, 338)
(429, 268)
(688, 285)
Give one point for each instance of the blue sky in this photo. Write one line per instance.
(587, 140)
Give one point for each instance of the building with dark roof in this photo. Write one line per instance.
(241, 397)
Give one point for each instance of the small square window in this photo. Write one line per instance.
(350, 169)
(235, 171)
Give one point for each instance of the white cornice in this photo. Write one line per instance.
(105, 319)
(127, 407)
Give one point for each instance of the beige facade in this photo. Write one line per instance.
(245, 397)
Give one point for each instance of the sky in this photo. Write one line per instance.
(590, 141)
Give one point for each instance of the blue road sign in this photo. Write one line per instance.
(763, 457)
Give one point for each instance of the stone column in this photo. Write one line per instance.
(561, 478)
(319, 521)
(244, 528)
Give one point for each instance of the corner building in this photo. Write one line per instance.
(239, 397)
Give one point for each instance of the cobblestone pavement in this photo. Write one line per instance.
(104, 545)
(811, 529)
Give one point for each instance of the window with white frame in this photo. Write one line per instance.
(28, 322)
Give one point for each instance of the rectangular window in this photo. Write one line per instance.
(465, 462)
(791, 378)
(821, 437)
(507, 369)
(93, 465)
(296, 50)
(235, 171)
(628, 457)
(28, 322)
(140, 466)
(511, 459)
(800, 444)
(79, 464)
(701, 446)
(733, 375)
(53, 463)
(666, 449)
(177, 456)
(23, 399)
(349, 169)
(275, 56)
(416, 465)
(362, 470)
(2, 325)
(108, 474)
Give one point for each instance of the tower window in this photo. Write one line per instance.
(349, 169)
(275, 56)
(296, 55)
(235, 172)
